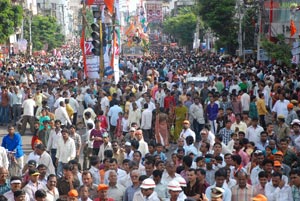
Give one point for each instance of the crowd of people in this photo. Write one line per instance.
(177, 126)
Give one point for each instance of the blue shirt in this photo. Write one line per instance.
(113, 113)
(4, 188)
(212, 111)
(162, 155)
(13, 144)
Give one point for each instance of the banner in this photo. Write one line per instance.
(92, 61)
(154, 12)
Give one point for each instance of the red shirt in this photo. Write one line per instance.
(168, 100)
(103, 120)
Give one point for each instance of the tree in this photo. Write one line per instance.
(278, 50)
(249, 20)
(89, 20)
(46, 33)
(219, 16)
(10, 19)
(181, 27)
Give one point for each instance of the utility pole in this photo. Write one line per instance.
(260, 10)
(30, 34)
(101, 56)
(240, 34)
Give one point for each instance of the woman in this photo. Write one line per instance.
(161, 129)
(181, 114)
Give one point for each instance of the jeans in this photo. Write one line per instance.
(17, 110)
(60, 169)
(197, 128)
(74, 122)
(27, 119)
(53, 154)
(4, 114)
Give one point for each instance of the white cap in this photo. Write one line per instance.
(127, 144)
(181, 181)
(174, 185)
(295, 121)
(148, 183)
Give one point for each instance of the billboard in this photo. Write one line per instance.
(154, 12)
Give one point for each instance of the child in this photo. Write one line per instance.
(119, 128)
(159, 148)
(103, 119)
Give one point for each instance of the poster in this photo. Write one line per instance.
(154, 12)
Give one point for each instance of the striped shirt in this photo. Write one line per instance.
(242, 194)
(295, 193)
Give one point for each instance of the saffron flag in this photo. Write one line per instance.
(130, 29)
(293, 28)
(90, 2)
(110, 5)
(82, 46)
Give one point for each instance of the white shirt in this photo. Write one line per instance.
(3, 158)
(146, 119)
(46, 159)
(10, 196)
(52, 141)
(121, 174)
(143, 147)
(253, 134)
(104, 104)
(50, 195)
(28, 106)
(254, 175)
(74, 104)
(66, 151)
(61, 114)
(278, 194)
(280, 107)
(245, 101)
(185, 133)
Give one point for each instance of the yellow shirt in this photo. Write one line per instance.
(261, 107)
(70, 110)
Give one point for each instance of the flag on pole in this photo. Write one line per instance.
(293, 28)
(82, 46)
(110, 5)
(90, 2)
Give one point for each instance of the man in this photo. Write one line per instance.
(160, 189)
(19, 195)
(3, 158)
(259, 167)
(106, 145)
(238, 146)
(197, 113)
(87, 180)
(260, 187)
(28, 114)
(96, 137)
(94, 170)
(146, 124)
(67, 182)
(50, 188)
(16, 99)
(170, 173)
(113, 115)
(187, 131)
(193, 188)
(277, 189)
(77, 139)
(129, 192)
(103, 193)
(15, 185)
(263, 142)
(45, 158)
(115, 191)
(54, 137)
(283, 130)
(253, 131)
(4, 185)
(13, 143)
(72, 195)
(295, 135)
(242, 189)
(201, 176)
(220, 177)
(261, 109)
(143, 146)
(295, 180)
(174, 190)
(280, 107)
(113, 165)
(40, 195)
(118, 153)
(226, 132)
(238, 125)
(289, 157)
(43, 173)
(33, 184)
(292, 115)
(62, 115)
(147, 189)
(66, 150)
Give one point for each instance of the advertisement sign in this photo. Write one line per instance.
(154, 12)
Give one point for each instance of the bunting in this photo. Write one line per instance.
(293, 28)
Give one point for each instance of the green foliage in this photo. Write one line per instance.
(182, 27)
(279, 50)
(45, 31)
(10, 19)
(249, 28)
(219, 16)
(89, 19)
